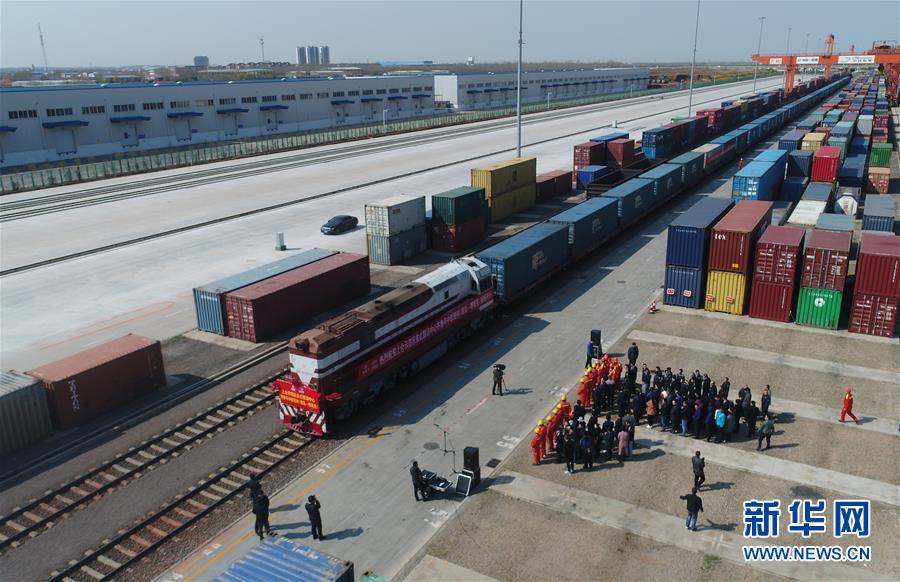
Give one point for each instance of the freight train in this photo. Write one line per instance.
(347, 361)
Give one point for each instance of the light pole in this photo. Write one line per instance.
(762, 20)
(787, 50)
(549, 94)
(384, 113)
(519, 87)
(693, 60)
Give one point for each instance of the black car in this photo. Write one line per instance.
(339, 224)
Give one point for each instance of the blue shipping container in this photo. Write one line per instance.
(282, 559)
(666, 180)
(611, 136)
(209, 300)
(799, 163)
(635, 198)
(691, 167)
(781, 209)
(793, 187)
(757, 181)
(589, 223)
(525, 258)
(688, 236)
(820, 191)
(774, 156)
(589, 174)
(839, 222)
(684, 287)
(791, 140)
(878, 213)
(754, 131)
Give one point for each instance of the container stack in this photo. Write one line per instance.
(776, 272)
(589, 153)
(554, 183)
(876, 294)
(878, 214)
(509, 186)
(395, 229)
(587, 175)
(825, 164)
(620, 152)
(731, 252)
(762, 178)
(825, 262)
(459, 218)
(813, 141)
(686, 252)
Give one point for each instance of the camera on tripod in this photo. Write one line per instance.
(500, 367)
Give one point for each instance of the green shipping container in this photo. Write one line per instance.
(880, 155)
(819, 307)
(458, 206)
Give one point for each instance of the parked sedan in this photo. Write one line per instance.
(339, 224)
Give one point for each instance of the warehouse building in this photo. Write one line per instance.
(467, 91)
(48, 124)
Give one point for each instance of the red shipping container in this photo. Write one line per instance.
(100, 379)
(621, 152)
(825, 260)
(826, 161)
(546, 186)
(262, 310)
(878, 265)
(563, 181)
(778, 255)
(733, 241)
(458, 237)
(879, 179)
(874, 315)
(772, 301)
(588, 153)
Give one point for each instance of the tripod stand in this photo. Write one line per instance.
(445, 449)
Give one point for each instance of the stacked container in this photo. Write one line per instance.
(686, 252)
(758, 181)
(589, 223)
(731, 252)
(24, 417)
(879, 180)
(509, 186)
(459, 218)
(876, 294)
(878, 214)
(799, 163)
(395, 229)
(791, 140)
(589, 153)
(880, 155)
(825, 164)
(838, 222)
(776, 273)
(620, 152)
(813, 141)
(825, 262)
(589, 174)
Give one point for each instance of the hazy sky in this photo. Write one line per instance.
(127, 32)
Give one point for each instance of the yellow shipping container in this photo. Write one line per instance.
(504, 176)
(502, 205)
(726, 292)
(812, 141)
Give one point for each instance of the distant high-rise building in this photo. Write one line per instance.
(201, 62)
(312, 55)
(301, 55)
(324, 55)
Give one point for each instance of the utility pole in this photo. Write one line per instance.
(693, 60)
(262, 49)
(519, 86)
(762, 20)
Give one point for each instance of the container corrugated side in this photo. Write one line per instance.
(504, 176)
(691, 167)
(838, 222)
(395, 215)
(806, 213)
(635, 198)
(589, 224)
(390, 250)
(878, 265)
(772, 301)
(878, 213)
(733, 240)
(508, 203)
(684, 287)
(101, 379)
(458, 205)
(778, 255)
(209, 300)
(826, 259)
(282, 559)
(24, 416)
(726, 292)
(666, 179)
(819, 307)
(525, 258)
(688, 235)
(799, 163)
(873, 315)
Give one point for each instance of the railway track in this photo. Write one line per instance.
(25, 208)
(36, 517)
(114, 556)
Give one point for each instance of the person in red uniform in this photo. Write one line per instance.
(585, 387)
(847, 409)
(549, 431)
(537, 443)
(565, 410)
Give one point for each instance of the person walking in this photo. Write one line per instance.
(261, 511)
(765, 432)
(699, 466)
(765, 401)
(497, 389)
(633, 353)
(314, 511)
(623, 439)
(418, 482)
(847, 409)
(694, 507)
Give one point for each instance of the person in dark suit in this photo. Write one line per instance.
(314, 511)
(261, 511)
(633, 353)
(418, 482)
(254, 486)
(699, 466)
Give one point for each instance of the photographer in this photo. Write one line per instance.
(498, 380)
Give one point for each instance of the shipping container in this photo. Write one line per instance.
(837, 222)
(733, 240)
(259, 312)
(608, 137)
(874, 315)
(589, 224)
(772, 301)
(588, 174)
(813, 141)
(688, 236)
(511, 202)
(563, 180)
(100, 379)
(819, 307)
(282, 559)
(781, 209)
(692, 172)
(791, 140)
(879, 180)
(776, 156)
(878, 265)
(458, 206)
(684, 287)
(726, 292)
(799, 163)
(806, 213)
(666, 181)
(819, 191)
(880, 155)
(505, 176)
(826, 259)
(620, 152)
(846, 201)
(635, 198)
(24, 416)
(395, 215)
(587, 154)
(545, 187)
(778, 254)
(525, 258)
(757, 181)
(209, 300)
(714, 155)
(792, 188)
(454, 238)
(825, 164)
(878, 213)
(390, 250)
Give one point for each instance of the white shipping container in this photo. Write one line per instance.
(806, 213)
(395, 215)
(24, 416)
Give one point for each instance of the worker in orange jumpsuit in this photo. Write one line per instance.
(615, 371)
(565, 409)
(741, 163)
(585, 389)
(549, 431)
(847, 409)
(537, 443)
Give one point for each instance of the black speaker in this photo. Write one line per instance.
(597, 338)
(470, 463)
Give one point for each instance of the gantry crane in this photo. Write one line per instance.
(884, 54)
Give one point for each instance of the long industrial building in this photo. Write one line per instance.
(467, 91)
(49, 124)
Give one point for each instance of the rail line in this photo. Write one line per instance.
(40, 514)
(114, 556)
